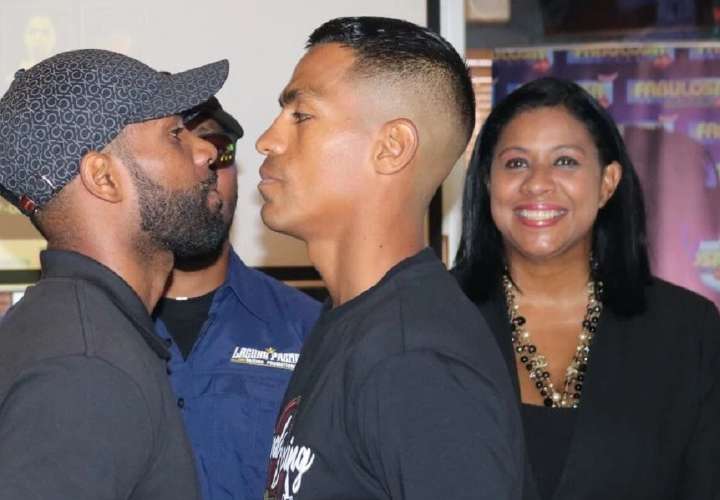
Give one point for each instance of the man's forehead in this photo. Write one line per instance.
(296, 91)
(320, 68)
(142, 128)
(158, 122)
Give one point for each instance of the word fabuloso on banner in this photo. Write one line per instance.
(704, 53)
(707, 261)
(598, 55)
(538, 60)
(523, 55)
(675, 92)
(705, 132)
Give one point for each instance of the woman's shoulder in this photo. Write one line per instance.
(677, 312)
(663, 295)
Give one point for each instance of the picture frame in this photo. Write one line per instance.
(20, 242)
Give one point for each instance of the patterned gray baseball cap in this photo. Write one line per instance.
(79, 101)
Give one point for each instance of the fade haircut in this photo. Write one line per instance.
(402, 52)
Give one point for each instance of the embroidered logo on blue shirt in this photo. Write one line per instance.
(264, 357)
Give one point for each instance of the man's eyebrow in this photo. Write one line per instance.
(287, 97)
(290, 95)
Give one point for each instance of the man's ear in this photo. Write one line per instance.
(100, 176)
(397, 145)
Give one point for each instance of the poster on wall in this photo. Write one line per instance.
(20, 243)
(666, 101)
(9, 296)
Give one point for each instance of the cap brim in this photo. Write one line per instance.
(181, 91)
(211, 109)
(228, 123)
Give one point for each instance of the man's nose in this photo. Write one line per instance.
(204, 152)
(271, 141)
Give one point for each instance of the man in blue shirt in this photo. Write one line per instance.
(234, 335)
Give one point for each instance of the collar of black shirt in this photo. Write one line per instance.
(65, 264)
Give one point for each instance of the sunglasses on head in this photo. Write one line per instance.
(225, 148)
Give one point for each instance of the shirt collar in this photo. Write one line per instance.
(66, 264)
(425, 257)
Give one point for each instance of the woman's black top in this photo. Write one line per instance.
(548, 432)
(648, 425)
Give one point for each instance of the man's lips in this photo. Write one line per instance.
(267, 176)
(539, 214)
(210, 184)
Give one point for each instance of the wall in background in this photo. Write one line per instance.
(262, 39)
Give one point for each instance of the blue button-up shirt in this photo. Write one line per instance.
(231, 385)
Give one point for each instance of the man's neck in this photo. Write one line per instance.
(187, 280)
(145, 273)
(352, 264)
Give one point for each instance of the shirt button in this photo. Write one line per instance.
(168, 342)
(181, 403)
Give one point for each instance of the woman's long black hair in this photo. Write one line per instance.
(619, 243)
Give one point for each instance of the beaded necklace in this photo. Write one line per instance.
(536, 364)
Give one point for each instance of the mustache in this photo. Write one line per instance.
(210, 183)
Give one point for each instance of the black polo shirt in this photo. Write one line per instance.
(86, 411)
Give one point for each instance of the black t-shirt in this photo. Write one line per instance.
(184, 319)
(401, 393)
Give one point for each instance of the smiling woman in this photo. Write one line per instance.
(553, 252)
(547, 185)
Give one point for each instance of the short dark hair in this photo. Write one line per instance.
(392, 46)
(619, 243)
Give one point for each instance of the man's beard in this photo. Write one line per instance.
(180, 221)
(203, 261)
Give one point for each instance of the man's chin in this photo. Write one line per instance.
(202, 240)
(200, 261)
(280, 225)
(205, 253)
(270, 218)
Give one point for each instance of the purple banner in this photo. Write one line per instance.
(666, 101)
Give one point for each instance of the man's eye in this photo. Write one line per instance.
(300, 117)
(176, 132)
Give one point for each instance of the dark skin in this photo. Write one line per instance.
(208, 277)
(100, 207)
(547, 186)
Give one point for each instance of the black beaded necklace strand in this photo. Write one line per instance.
(536, 363)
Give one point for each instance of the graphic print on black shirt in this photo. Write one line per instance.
(288, 461)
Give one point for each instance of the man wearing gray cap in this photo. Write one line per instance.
(92, 149)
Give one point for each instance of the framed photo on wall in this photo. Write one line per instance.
(9, 296)
(20, 246)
